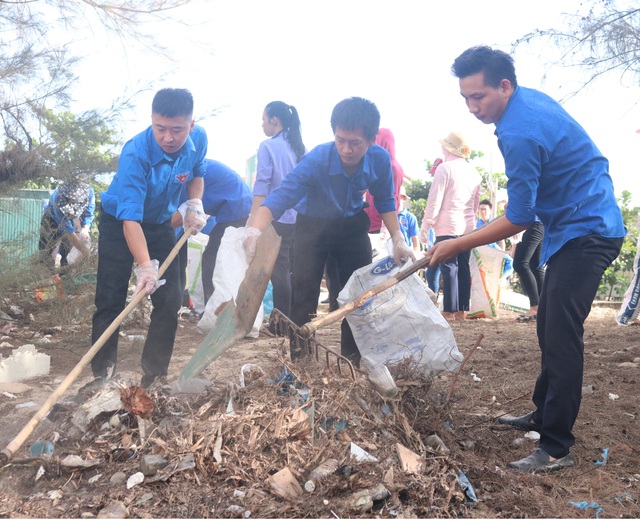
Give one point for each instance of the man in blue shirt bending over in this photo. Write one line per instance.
(327, 190)
(556, 172)
(135, 226)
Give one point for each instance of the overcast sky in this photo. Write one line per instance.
(239, 55)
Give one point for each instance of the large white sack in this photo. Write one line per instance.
(487, 265)
(400, 322)
(231, 265)
(629, 311)
(195, 248)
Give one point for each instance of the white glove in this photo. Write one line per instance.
(83, 234)
(193, 215)
(402, 252)
(424, 237)
(250, 241)
(147, 277)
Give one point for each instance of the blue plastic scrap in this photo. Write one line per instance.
(584, 505)
(466, 486)
(605, 456)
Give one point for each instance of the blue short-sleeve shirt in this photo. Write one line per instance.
(556, 172)
(319, 187)
(147, 185)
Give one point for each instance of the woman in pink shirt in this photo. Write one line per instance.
(451, 211)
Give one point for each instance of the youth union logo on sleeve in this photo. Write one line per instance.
(182, 177)
(383, 266)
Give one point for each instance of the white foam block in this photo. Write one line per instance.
(24, 362)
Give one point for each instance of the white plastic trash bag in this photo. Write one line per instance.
(74, 255)
(196, 245)
(629, 311)
(486, 265)
(400, 322)
(231, 265)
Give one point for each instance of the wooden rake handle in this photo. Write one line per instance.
(15, 444)
(311, 327)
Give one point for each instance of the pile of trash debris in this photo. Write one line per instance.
(282, 442)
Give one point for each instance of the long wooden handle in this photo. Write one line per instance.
(311, 327)
(15, 444)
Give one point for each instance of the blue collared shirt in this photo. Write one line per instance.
(226, 196)
(408, 225)
(146, 187)
(555, 171)
(86, 218)
(319, 186)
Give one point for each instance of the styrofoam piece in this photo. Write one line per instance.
(360, 454)
(25, 362)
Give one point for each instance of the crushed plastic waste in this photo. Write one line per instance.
(331, 422)
(585, 505)
(466, 486)
(604, 456)
(289, 385)
(41, 448)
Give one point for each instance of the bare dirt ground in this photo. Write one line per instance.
(220, 465)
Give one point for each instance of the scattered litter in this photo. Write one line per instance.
(584, 505)
(466, 486)
(360, 454)
(41, 448)
(26, 405)
(95, 478)
(44, 340)
(588, 389)
(24, 362)
(40, 473)
(434, 442)
(250, 372)
(613, 396)
(5, 344)
(72, 460)
(135, 338)
(54, 494)
(382, 381)
(145, 497)
(410, 462)
(106, 400)
(114, 510)
(284, 484)
(532, 435)
(631, 365)
(604, 456)
(152, 463)
(475, 377)
(135, 479)
(9, 395)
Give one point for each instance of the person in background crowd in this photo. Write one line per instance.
(526, 263)
(66, 221)
(451, 209)
(277, 157)
(557, 173)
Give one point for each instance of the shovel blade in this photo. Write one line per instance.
(253, 286)
(217, 341)
(236, 319)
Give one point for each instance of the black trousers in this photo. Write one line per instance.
(526, 262)
(50, 233)
(281, 275)
(456, 280)
(347, 240)
(570, 285)
(114, 271)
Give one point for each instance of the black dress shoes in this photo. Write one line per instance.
(524, 423)
(540, 461)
